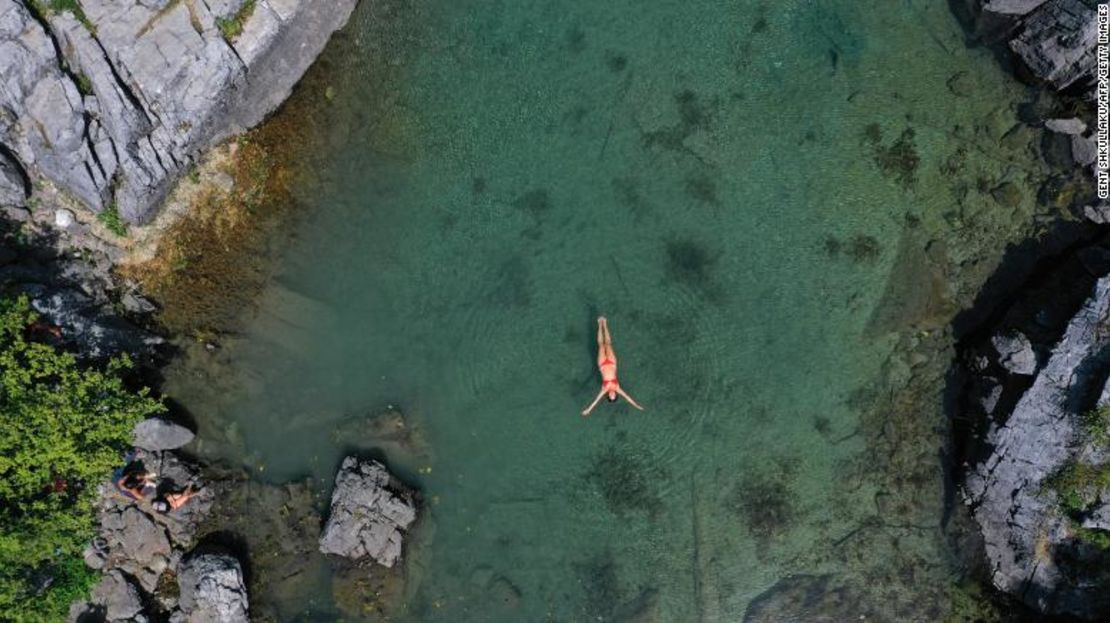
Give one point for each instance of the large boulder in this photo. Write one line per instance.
(113, 106)
(212, 590)
(118, 597)
(157, 434)
(1057, 42)
(136, 545)
(370, 511)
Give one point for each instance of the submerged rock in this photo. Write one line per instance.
(370, 511)
(212, 590)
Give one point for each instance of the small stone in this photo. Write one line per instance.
(64, 218)
(1084, 150)
(1015, 353)
(1098, 213)
(1066, 126)
(95, 554)
(136, 303)
(223, 181)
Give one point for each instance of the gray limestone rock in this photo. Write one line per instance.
(1099, 519)
(158, 434)
(1015, 353)
(1097, 213)
(136, 544)
(1057, 42)
(44, 120)
(119, 597)
(13, 186)
(84, 321)
(212, 590)
(1066, 126)
(1016, 513)
(1084, 150)
(113, 113)
(1012, 7)
(370, 510)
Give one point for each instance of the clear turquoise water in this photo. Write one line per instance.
(498, 174)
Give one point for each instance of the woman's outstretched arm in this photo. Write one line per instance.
(629, 399)
(594, 403)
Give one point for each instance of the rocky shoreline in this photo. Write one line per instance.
(112, 107)
(1032, 364)
(106, 109)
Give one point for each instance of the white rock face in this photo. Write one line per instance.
(370, 510)
(135, 98)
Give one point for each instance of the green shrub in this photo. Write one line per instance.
(232, 26)
(63, 428)
(44, 7)
(1077, 485)
(1096, 424)
(111, 219)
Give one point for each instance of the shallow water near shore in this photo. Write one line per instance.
(766, 201)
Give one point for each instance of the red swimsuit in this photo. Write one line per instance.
(612, 381)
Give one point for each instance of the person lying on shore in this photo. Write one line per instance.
(607, 365)
(173, 501)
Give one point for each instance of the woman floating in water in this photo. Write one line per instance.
(607, 365)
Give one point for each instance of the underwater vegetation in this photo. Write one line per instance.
(898, 160)
(859, 248)
(627, 480)
(764, 500)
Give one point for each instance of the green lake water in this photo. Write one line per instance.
(766, 199)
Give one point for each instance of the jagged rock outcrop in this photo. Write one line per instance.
(370, 511)
(1057, 42)
(118, 597)
(1053, 39)
(212, 590)
(1029, 541)
(113, 104)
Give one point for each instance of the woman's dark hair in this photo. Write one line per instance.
(612, 397)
